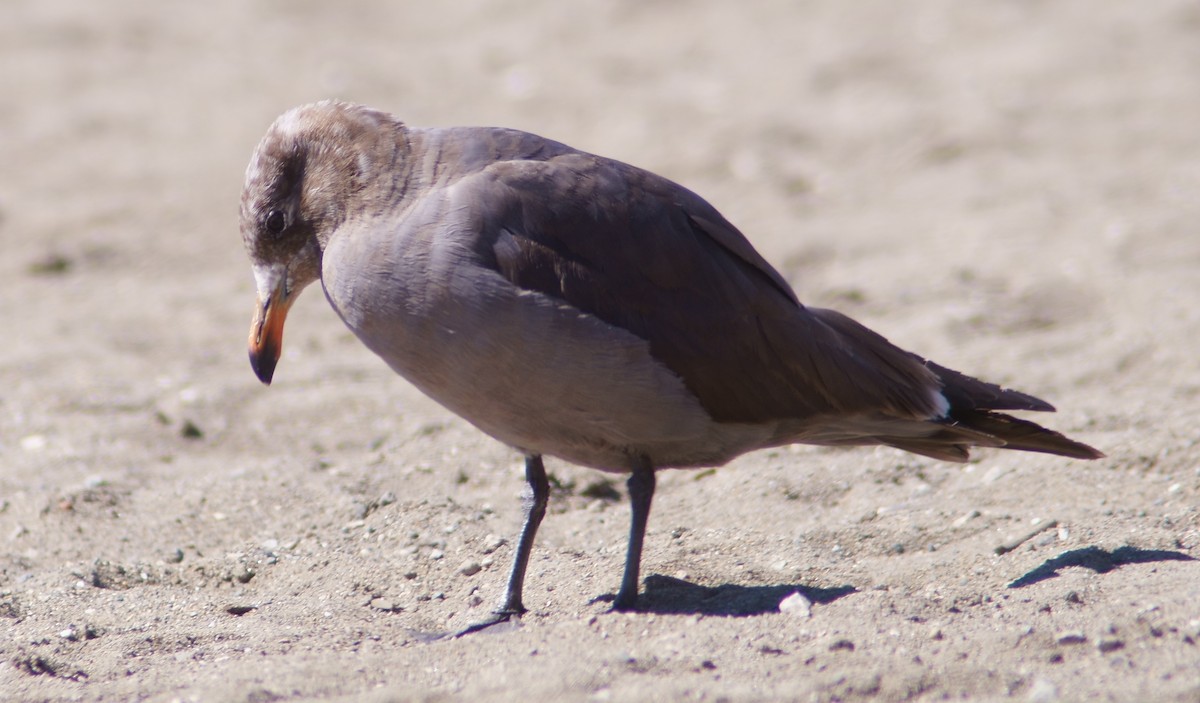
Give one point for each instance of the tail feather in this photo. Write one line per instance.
(973, 404)
(968, 393)
(1025, 435)
(971, 419)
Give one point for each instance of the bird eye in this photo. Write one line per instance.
(275, 222)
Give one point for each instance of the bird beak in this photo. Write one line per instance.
(266, 331)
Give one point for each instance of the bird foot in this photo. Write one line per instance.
(625, 602)
(509, 618)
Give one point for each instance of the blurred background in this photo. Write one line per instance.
(1009, 187)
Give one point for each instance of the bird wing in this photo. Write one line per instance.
(648, 256)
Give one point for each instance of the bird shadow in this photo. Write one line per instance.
(671, 596)
(1099, 560)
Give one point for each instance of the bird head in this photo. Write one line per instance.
(305, 175)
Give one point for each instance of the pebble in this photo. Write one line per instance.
(469, 568)
(966, 517)
(796, 605)
(1110, 644)
(1047, 539)
(191, 430)
(385, 605)
(1043, 691)
(34, 443)
(436, 554)
(1193, 628)
(1072, 638)
(491, 543)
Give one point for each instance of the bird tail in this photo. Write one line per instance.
(973, 420)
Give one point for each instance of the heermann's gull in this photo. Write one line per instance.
(572, 305)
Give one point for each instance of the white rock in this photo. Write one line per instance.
(796, 605)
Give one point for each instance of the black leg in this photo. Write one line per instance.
(535, 500)
(535, 510)
(641, 493)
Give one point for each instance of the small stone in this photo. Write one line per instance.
(410, 575)
(191, 431)
(53, 263)
(175, 556)
(796, 605)
(965, 518)
(1109, 644)
(1042, 691)
(70, 634)
(1193, 628)
(436, 554)
(1072, 638)
(842, 644)
(33, 443)
(470, 568)
(491, 543)
(1073, 597)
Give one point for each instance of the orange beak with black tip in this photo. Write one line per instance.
(266, 331)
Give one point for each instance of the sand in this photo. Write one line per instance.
(1010, 188)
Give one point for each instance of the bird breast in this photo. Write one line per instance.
(527, 369)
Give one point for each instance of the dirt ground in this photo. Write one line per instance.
(1010, 188)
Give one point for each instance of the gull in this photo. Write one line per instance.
(579, 307)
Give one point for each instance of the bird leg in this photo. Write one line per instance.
(641, 493)
(535, 500)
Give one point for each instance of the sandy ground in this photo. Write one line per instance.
(1011, 188)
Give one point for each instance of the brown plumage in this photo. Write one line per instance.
(576, 306)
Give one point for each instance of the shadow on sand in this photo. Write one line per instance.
(1099, 560)
(667, 595)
